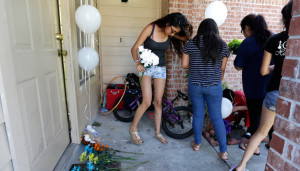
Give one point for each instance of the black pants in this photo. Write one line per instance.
(254, 109)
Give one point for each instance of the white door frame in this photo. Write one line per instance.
(71, 65)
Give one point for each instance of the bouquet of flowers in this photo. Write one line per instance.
(234, 45)
(101, 157)
(147, 58)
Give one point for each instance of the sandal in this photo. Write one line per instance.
(234, 168)
(224, 156)
(212, 133)
(161, 138)
(135, 138)
(195, 146)
(243, 147)
(267, 145)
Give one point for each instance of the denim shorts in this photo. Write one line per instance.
(155, 72)
(270, 101)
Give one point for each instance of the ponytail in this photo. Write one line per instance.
(261, 31)
(258, 26)
(287, 14)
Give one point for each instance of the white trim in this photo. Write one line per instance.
(68, 8)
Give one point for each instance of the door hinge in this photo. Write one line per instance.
(61, 52)
(59, 36)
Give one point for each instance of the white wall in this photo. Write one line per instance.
(121, 25)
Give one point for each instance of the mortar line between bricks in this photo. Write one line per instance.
(296, 80)
(288, 120)
(285, 139)
(283, 158)
(290, 100)
(271, 166)
(297, 15)
(294, 37)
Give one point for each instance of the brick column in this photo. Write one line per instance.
(284, 153)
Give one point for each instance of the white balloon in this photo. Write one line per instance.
(226, 107)
(217, 11)
(88, 58)
(88, 18)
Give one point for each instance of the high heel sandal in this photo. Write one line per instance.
(195, 146)
(224, 156)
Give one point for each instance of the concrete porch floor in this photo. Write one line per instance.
(176, 155)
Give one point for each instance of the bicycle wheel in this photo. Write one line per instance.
(179, 129)
(126, 114)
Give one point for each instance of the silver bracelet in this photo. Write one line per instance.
(136, 61)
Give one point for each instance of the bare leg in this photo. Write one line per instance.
(266, 122)
(159, 87)
(147, 98)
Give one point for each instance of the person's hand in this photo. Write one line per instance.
(140, 67)
(234, 109)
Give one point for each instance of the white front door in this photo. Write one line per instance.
(39, 121)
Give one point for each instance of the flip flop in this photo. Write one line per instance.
(161, 138)
(243, 147)
(137, 140)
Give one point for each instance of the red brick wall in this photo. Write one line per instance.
(195, 10)
(285, 147)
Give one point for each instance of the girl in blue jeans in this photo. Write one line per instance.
(206, 57)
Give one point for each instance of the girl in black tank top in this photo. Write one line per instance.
(174, 30)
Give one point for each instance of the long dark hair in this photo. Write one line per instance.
(287, 14)
(176, 19)
(258, 26)
(212, 43)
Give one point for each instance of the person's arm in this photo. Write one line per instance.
(185, 61)
(182, 38)
(188, 31)
(143, 36)
(243, 55)
(223, 67)
(238, 68)
(239, 108)
(265, 66)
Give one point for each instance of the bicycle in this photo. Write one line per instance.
(176, 121)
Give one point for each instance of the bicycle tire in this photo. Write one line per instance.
(173, 129)
(124, 115)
